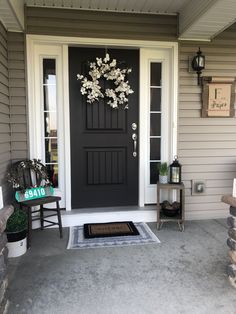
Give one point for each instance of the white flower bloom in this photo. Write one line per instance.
(113, 63)
(99, 61)
(107, 58)
(83, 91)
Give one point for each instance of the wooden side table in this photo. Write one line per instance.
(161, 218)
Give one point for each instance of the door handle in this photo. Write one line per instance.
(134, 138)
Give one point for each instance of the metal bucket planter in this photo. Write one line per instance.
(17, 244)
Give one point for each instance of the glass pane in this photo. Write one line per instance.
(53, 174)
(155, 102)
(155, 149)
(155, 74)
(155, 124)
(49, 71)
(50, 97)
(51, 150)
(153, 172)
(50, 123)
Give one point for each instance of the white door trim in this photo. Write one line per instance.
(35, 55)
(67, 155)
(64, 43)
(168, 118)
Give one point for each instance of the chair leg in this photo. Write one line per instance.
(59, 219)
(41, 217)
(29, 213)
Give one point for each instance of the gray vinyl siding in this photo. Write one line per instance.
(5, 138)
(13, 122)
(66, 22)
(206, 146)
(17, 83)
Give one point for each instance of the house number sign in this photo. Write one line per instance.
(34, 193)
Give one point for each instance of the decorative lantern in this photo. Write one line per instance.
(198, 64)
(175, 171)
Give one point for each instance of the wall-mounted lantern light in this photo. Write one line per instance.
(198, 64)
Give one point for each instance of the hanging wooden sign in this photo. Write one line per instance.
(218, 97)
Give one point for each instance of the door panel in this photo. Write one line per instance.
(104, 171)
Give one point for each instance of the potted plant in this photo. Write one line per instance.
(16, 231)
(163, 172)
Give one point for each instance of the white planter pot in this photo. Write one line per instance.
(17, 248)
(163, 179)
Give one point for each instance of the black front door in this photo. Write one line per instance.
(104, 171)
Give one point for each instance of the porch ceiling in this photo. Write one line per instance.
(198, 20)
(12, 14)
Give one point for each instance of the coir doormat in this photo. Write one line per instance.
(110, 229)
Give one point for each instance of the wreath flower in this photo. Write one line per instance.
(106, 69)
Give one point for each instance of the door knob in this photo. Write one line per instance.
(134, 126)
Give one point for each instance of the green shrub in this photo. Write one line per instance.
(17, 221)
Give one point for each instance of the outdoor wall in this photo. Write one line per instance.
(13, 121)
(17, 83)
(66, 22)
(5, 140)
(206, 146)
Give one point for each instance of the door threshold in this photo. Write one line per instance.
(81, 216)
(89, 210)
(77, 217)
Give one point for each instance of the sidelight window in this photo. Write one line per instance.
(50, 130)
(155, 112)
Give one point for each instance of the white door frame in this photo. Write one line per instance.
(148, 56)
(35, 41)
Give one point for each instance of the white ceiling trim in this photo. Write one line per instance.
(125, 6)
(204, 19)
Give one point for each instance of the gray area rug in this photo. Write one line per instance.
(77, 240)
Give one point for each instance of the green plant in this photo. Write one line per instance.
(17, 221)
(163, 169)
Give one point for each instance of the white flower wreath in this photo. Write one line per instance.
(103, 68)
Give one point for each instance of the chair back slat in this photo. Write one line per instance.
(30, 173)
(26, 177)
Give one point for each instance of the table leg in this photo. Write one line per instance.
(159, 225)
(181, 226)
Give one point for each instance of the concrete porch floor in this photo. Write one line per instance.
(183, 274)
